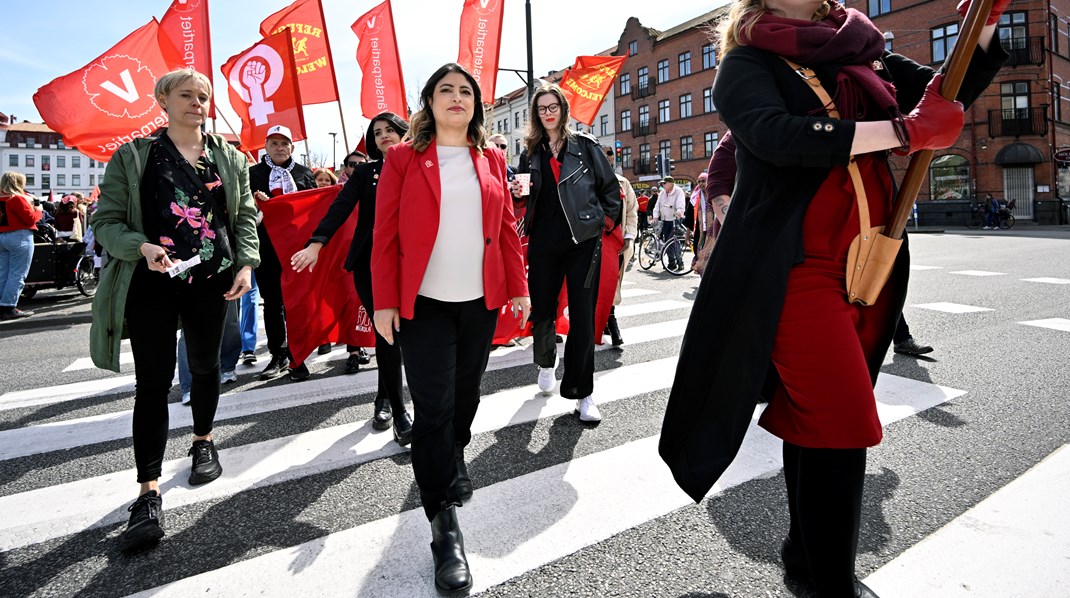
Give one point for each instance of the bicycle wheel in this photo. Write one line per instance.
(1008, 222)
(648, 251)
(684, 267)
(976, 220)
(85, 276)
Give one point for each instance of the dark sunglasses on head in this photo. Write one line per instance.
(502, 146)
(352, 164)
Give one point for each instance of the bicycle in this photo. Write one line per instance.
(651, 249)
(979, 218)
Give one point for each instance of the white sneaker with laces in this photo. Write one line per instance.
(228, 377)
(588, 410)
(547, 379)
(185, 398)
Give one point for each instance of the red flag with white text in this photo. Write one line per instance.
(109, 101)
(263, 90)
(586, 84)
(481, 36)
(185, 38)
(311, 49)
(322, 305)
(382, 87)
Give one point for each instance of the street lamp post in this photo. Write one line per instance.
(334, 151)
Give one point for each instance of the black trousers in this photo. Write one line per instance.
(577, 266)
(387, 356)
(269, 279)
(154, 305)
(825, 505)
(446, 347)
(902, 331)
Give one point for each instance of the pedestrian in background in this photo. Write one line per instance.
(18, 221)
(669, 208)
(324, 177)
(439, 285)
(771, 317)
(564, 224)
(630, 223)
(357, 157)
(180, 196)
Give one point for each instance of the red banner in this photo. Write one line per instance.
(311, 50)
(481, 36)
(185, 38)
(322, 305)
(382, 87)
(109, 101)
(586, 84)
(263, 90)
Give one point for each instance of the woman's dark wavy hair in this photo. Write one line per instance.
(422, 123)
(395, 121)
(536, 132)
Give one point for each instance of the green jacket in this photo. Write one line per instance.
(117, 224)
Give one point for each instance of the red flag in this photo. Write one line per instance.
(362, 145)
(311, 50)
(109, 101)
(322, 305)
(382, 87)
(586, 84)
(185, 38)
(95, 194)
(264, 91)
(481, 36)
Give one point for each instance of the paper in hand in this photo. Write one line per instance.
(181, 267)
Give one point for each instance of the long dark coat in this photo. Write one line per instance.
(783, 156)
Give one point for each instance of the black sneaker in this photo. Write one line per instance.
(248, 357)
(206, 465)
(363, 356)
(352, 363)
(324, 349)
(275, 368)
(300, 373)
(146, 522)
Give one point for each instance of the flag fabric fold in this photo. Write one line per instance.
(382, 86)
(586, 84)
(311, 50)
(185, 38)
(480, 42)
(263, 87)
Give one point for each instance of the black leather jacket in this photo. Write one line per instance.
(588, 189)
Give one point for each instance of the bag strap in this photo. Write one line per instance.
(810, 77)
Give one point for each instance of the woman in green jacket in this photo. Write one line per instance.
(179, 224)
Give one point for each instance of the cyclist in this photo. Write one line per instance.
(670, 207)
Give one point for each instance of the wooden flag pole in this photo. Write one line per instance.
(953, 75)
(219, 114)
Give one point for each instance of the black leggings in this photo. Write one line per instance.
(154, 305)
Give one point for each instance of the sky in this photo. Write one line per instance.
(67, 34)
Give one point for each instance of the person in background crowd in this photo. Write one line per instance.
(669, 208)
(643, 205)
(720, 181)
(277, 173)
(192, 205)
(18, 221)
(69, 219)
(630, 223)
(564, 224)
(324, 177)
(385, 130)
(357, 157)
(992, 207)
(438, 291)
(499, 141)
(699, 206)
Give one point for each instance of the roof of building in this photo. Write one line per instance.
(28, 127)
(688, 25)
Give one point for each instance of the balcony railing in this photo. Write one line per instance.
(645, 127)
(643, 166)
(1018, 121)
(646, 88)
(1024, 50)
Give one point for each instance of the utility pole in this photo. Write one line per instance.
(334, 151)
(531, 61)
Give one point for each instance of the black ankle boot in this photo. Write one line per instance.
(614, 331)
(447, 548)
(382, 418)
(462, 486)
(403, 428)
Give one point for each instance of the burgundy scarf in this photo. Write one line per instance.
(845, 37)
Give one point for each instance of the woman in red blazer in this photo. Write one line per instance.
(445, 258)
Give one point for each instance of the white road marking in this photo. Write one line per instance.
(1061, 324)
(979, 273)
(631, 293)
(951, 308)
(1048, 280)
(919, 267)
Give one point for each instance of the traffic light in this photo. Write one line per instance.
(657, 165)
(669, 165)
(620, 152)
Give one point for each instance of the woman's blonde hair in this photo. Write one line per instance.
(170, 81)
(422, 123)
(316, 173)
(13, 183)
(741, 19)
(536, 131)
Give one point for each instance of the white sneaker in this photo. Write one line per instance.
(588, 410)
(228, 377)
(185, 398)
(547, 379)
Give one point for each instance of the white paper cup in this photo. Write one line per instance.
(525, 182)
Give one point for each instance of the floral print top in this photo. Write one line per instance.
(185, 209)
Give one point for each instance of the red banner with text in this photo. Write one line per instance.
(109, 101)
(481, 36)
(382, 87)
(586, 84)
(263, 90)
(185, 38)
(311, 49)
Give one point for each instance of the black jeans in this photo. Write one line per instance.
(269, 279)
(154, 305)
(446, 347)
(387, 356)
(902, 331)
(577, 266)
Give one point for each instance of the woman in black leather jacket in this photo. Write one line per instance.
(573, 193)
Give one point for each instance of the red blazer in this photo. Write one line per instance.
(407, 208)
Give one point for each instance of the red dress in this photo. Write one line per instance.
(826, 399)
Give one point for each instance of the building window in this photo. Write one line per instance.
(879, 7)
(1013, 31)
(663, 71)
(1053, 28)
(92, 180)
(685, 64)
(643, 75)
(1057, 100)
(687, 148)
(13, 160)
(685, 105)
(29, 161)
(663, 111)
(625, 120)
(603, 124)
(709, 56)
(644, 115)
(76, 161)
(625, 84)
(943, 39)
(30, 180)
(626, 157)
(516, 147)
(707, 100)
(644, 153)
(949, 177)
(46, 182)
(30, 142)
(665, 149)
(46, 162)
(516, 118)
(61, 161)
(1014, 99)
(633, 48)
(888, 37)
(709, 143)
(524, 116)
(61, 180)
(76, 180)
